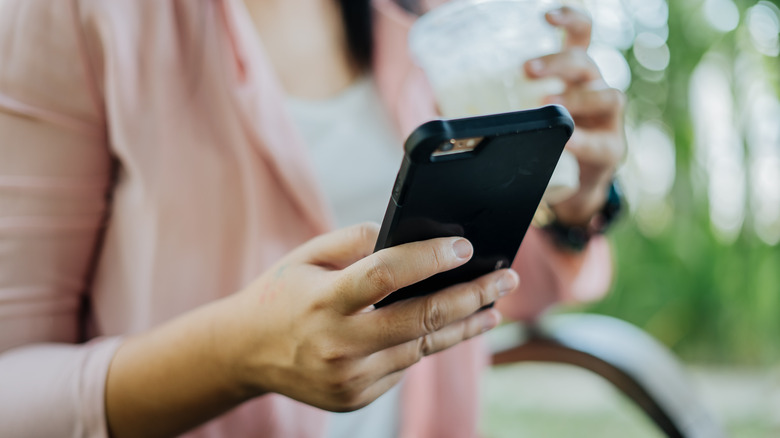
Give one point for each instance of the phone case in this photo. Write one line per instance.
(488, 195)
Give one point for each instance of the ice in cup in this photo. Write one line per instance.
(473, 51)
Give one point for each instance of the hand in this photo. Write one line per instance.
(598, 141)
(308, 329)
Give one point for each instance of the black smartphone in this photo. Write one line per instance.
(481, 178)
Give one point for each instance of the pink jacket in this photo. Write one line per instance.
(147, 167)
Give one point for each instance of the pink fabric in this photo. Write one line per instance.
(146, 168)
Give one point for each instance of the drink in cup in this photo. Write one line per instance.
(473, 51)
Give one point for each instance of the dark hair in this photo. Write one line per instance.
(358, 18)
(357, 21)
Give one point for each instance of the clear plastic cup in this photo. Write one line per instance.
(473, 51)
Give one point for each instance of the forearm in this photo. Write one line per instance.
(173, 378)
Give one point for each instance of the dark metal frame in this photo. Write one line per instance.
(631, 360)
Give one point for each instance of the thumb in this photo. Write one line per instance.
(340, 248)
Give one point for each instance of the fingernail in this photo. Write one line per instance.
(536, 66)
(462, 248)
(507, 283)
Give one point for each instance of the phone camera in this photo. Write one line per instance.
(456, 146)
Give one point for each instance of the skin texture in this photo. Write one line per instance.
(307, 328)
(337, 352)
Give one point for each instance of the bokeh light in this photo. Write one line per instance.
(649, 13)
(612, 25)
(648, 175)
(613, 66)
(718, 147)
(722, 15)
(651, 51)
(763, 138)
(763, 23)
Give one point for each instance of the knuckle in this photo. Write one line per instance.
(333, 353)
(366, 231)
(434, 316)
(437, 257)
(346, 389)
(348, 401)
(424, 348)
(465, 333)
(582, 58)
(482, 294)
(337, 384)
(341, 381)
(411, 353)
(380, 276)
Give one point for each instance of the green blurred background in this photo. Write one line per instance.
(696, 252)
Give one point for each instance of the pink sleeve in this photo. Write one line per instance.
(54, 180)
(549, 275)
(55, 389)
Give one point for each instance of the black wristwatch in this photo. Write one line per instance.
(576, 238)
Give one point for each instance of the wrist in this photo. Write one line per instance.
(581, 208)
(576, 237)
(172, 378)
(231, 342)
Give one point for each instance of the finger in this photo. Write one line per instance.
(597, 147)
(573, 66)
(367, 281)
(402, 356)
(340, 248)
(414, 318)
(576, 22)
(604, 103)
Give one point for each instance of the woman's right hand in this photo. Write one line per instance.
(308, 329)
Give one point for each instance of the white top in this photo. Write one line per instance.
(355, 150)
(356, 155)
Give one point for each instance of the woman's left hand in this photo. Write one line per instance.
(598, 141)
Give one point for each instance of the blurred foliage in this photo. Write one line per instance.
(710, 301)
